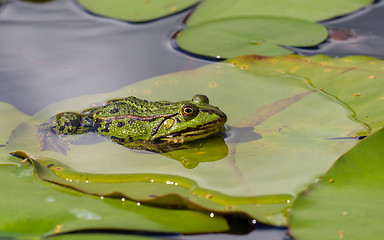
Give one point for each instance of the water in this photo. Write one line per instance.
(369, 35)
(55, 51)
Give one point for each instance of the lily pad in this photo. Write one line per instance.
(273, 152)
(211, 10)
(356, 81)
(262, 35)
(10, 117)
(348, 202)
(33, 207)
(136, 10)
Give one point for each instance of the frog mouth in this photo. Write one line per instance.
(191, 133)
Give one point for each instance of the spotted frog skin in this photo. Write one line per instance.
(131, 120)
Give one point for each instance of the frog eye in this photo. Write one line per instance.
(189, 111)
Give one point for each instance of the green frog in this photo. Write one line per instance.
(137, 123)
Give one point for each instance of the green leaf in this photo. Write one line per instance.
(262, 35)
(10, 117)
(282, 135)
(302, 9)
(356, 81)
(348, 202)
(33, 207)
(136, 10)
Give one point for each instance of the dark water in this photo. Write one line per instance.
(54, 51)
(366, 29)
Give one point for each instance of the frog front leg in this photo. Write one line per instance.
(51, 132)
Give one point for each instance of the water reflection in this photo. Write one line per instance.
(192, 153)
(241, 134)
(189, 154)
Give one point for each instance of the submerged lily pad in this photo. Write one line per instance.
(136, 10)
(35, 208)
(348, 202)
(10, 117)
(356, 81)
(211, 10)
(273, 152)
(262, 35)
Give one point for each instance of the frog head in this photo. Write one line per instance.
(194, 119)
(66, 123)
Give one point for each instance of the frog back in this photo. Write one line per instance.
(130, 119)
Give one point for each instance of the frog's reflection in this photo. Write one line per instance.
(203, 150)
(189, 154)
(210, 149)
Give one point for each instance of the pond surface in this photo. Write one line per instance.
(55, 51)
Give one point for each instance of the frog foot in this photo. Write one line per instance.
(50, 141)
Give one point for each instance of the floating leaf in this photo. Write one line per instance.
(136, 10)
(10, 117)
(262, 35)
(279, 141)
(356, 81)
(302, 9)
(33, 207)
(348, 202)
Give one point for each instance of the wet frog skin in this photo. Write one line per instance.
(137, 123)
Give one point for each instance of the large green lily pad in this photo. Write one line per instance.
(211, 10)
(279, 141)
(262, 35)
(348, 202)
(136, 10)
(32, 207)
(356, 81)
